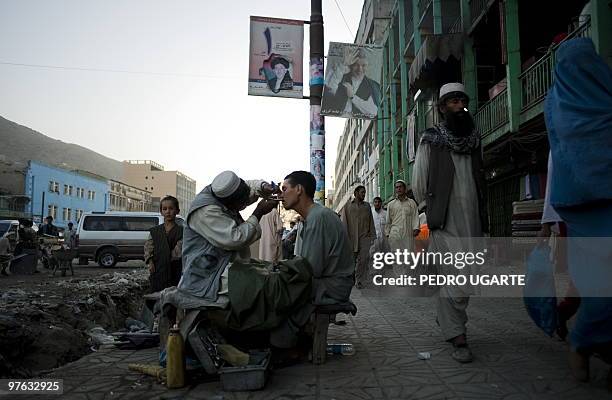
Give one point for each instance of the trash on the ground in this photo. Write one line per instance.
(424, 355)
(133, 325)
(136, 340)
(99, 336)
(346, 349)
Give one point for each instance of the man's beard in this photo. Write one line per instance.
(459, 123)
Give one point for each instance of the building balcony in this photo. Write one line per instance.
(537, 79)
(492, 115)
(492, 118)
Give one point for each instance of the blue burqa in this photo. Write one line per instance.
(578, 113)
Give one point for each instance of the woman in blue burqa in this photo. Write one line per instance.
(578, 113)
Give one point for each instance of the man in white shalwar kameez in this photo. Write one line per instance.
(448, 181)
(402, 224)
(271, 234)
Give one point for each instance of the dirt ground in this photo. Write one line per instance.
(44, 319)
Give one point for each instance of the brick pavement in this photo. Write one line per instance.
(514, 360)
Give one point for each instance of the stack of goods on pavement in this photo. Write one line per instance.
(533, 186)
(526, 220)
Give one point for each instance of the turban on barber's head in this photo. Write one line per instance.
(228, 187)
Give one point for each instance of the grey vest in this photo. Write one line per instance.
(203, 263)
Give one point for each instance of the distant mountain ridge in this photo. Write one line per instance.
(20, 144)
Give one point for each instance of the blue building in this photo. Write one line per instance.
(64, 194)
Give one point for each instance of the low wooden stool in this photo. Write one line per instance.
(322, 317)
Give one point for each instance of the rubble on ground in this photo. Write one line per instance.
(48, 324)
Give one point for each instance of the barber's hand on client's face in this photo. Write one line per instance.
(268, 189)
(264, 207)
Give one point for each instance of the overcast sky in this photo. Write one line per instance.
(199, 122)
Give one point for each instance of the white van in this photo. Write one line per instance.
(113, 236)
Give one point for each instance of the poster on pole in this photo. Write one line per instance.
(276, 57)
(352, 81)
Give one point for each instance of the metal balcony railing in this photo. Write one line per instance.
(537, 79)
(493, 114)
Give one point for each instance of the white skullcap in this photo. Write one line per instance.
(451, 88)
(225, 184)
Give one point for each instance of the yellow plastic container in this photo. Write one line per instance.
(175, 361)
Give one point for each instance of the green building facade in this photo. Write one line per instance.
(504, 53)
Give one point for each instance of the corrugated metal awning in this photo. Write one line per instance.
(434, 48)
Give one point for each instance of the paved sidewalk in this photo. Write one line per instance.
(514, 360)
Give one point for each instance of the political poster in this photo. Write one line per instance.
(276, 57)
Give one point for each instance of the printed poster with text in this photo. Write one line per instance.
(276, 57)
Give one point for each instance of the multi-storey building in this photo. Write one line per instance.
(14, 203)
(124, 197)
(504, 53)
(65, 195)
(152, 177)
(357, 158)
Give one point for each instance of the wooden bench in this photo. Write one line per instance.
(322, 317)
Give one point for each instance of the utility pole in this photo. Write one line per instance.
(42, 207)
(317, 122)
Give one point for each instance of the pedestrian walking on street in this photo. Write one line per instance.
(380, 223)
(402, 223)
(359, 222)
(48, 228)
(578, 115)
(70, 236)
(448, 180)
(163, 247)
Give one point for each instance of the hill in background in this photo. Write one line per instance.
(20, 144)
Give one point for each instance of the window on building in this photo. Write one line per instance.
(67, 214)
(79, 213)
(91, 195)
(52, 210)
(54, 187)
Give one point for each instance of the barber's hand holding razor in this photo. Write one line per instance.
(264, 207)
(270, 191)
